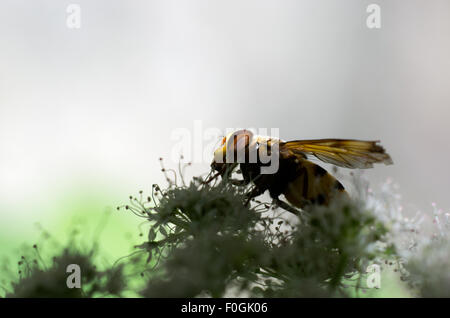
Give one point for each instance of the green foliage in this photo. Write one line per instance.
(37, 280)
(202, 240)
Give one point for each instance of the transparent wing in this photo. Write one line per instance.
(346, 153)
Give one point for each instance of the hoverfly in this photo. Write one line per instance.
(301, 181)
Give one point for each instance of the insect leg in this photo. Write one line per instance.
(252, 194)
(239, 183)
(286, 206)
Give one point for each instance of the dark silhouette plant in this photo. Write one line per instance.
(202, 240)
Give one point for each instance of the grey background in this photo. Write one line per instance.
(98, 105)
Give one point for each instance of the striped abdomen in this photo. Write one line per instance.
(312, 184)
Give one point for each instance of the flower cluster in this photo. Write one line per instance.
(203, 240)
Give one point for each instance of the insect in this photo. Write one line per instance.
(301, 181)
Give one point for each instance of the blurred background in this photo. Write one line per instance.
(86, 113)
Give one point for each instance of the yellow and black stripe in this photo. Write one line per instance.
(312, 184)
